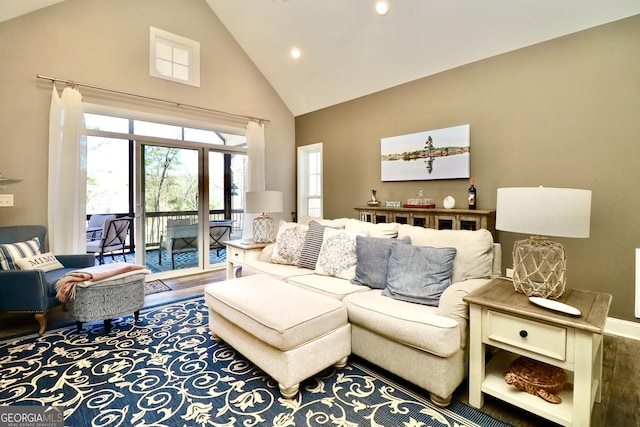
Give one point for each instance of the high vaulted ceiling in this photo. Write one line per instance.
(349, 51)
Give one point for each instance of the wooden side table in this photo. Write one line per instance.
(506, 320)
(239, 251)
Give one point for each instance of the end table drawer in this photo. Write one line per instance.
(235, 254)
(532, 336)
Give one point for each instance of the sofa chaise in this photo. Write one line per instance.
(419, 334)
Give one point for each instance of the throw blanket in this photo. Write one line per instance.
(66, 286)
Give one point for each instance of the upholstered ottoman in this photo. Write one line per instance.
(109, 298)
(288, 332)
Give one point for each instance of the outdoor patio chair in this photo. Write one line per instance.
(114, 238)
(96, 225)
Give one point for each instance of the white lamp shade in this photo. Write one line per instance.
(264, 201)
(560, 212)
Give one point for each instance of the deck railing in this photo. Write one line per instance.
(156, 223)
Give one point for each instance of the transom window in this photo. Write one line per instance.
(174, 57)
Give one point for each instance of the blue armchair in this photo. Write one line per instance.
(33, 291)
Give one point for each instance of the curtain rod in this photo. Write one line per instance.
(177, 104)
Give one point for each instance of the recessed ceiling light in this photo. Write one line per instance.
(295, 53)
(382, 7)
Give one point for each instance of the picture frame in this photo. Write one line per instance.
(429, 155)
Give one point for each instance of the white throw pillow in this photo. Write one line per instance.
(289, 243)
(338, 256)
(44, 262)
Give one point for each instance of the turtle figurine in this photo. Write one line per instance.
(537, 378)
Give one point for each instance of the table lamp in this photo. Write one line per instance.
(539, 264)
(264, 229)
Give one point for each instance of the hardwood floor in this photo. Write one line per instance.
(620, 404)
(12, 324)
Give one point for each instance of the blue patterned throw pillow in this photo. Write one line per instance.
(419, 273)
(373, 260)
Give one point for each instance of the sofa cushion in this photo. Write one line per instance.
(333, 223)
(331, 286)
(278, 271)
(414, 325)
(311, 246)
(373, 260)
(419, 273)
(44, 262)
(474, 257)
(373, 230)
(337, 255)
(10, 252)
(289, 242)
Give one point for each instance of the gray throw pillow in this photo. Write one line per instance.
(312, 244)
(419, 273)
(373, 260)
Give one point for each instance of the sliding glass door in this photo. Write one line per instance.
(171, 190)
(183, 186)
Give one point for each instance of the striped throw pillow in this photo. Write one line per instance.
(10, 252)
(312, 244)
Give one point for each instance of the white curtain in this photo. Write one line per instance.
(67, 173)
(255, 169)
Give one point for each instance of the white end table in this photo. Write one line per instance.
(239, 251)
(508, 321)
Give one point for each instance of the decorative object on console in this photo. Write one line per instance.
(449, 202)
(420, 201)
(393, 204)
(539, 264)
(373, 201)
(472, 195)
(264, 229)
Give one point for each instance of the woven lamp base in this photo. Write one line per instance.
(539, 267)
(264, 229)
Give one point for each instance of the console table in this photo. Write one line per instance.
(506, 320)
(440, 219)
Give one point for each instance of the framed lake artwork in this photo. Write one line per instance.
(429, 155)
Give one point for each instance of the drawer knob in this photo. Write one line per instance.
(523, 333)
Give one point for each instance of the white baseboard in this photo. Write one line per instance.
(622, 328)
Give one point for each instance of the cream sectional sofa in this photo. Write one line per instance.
(424, 344)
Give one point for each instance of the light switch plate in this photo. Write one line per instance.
(6, 200)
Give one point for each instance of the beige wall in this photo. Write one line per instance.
(106, 43)
(564, 113)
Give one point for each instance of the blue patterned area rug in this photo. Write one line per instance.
(166, 370)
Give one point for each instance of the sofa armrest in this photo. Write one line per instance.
(77, 261)
(265, 254)
(451, 303)
(22, 290)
